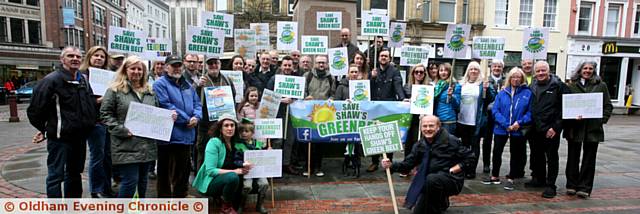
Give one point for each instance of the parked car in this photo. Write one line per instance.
(26, 90)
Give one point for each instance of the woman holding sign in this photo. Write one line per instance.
(417, 76)
(472, 119)
(584, 135)
(131, 155)
(219, 175)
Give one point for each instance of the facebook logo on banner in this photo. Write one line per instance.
(304, 134)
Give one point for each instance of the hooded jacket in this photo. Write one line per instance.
(510, 107)
(319, 85)
(447, 112)
(387, 85)
(342, 91)
(181, 97)
(589, 130)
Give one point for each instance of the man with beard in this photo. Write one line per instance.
(191, 72)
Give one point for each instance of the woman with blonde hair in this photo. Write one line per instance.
(99, 149)
(418, 75)
(131, 154)
(511, 112)
(447, 98)
(475, 95)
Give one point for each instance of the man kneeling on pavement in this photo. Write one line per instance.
(441, 159)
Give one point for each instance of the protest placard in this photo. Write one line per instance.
(269, 104)
(380, 138)
(328, 20)
(360, 90)
(338, 61)
(236, 77)
(587, 105)
(123, 40)
(455, 41)
(268, 128)
(374, 24)
(397, 32)
(314, 45)
(266, 163)
(157, 49)
(413, 55)
(245, 43)
(290, 86)
(535, 42)
(287, 36)
(218, 21)
(219, 100)
(100, 79)
(488, 47)
(422, 99)
(149, 121)
(209, 42)
(262, 35)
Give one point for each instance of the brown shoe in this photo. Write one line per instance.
(289, 169)
(372, 168)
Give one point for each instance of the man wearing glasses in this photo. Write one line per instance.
(63, 111)
(260, 77)
(191, 72)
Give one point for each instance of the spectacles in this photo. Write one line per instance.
(418, 72)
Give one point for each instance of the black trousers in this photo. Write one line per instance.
(412, 134)
(545, 152)
(580, 175)
(486, 141)
(439, 186)
(174, 165)
(472, 142)
(518, 158)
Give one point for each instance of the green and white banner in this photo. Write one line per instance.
(314, 45)
(488, 47)
(535, 42)
(338, 61)
(397, 32)
(380, 138)
(455, 41)
(329, 20)
(219, 21)
(413, 55)
(374, 24)
(422, 99)
(209, 42)
(262, 36)
(245, 43)
(268, 128)
(321, 121)
(360, 90)
(287, 36)
(157, 49)
(290, 86)
(122, 40)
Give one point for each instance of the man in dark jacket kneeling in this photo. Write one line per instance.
(441, 158)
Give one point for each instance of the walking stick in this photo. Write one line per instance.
(390, 182)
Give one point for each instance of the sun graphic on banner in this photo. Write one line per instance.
(323, 113)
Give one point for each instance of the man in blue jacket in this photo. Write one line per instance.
(175, 93)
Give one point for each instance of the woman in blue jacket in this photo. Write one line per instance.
(475, 96)
(512, 115)
(447, 98)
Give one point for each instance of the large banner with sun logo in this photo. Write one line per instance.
(338, 121)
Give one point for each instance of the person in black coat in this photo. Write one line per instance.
(260, 77)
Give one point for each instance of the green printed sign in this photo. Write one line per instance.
(122, 40)
(487, 47)
(269, 128)
(287, 36)
(314, 45)
(290, 86)
(374, 24)
(219, 21)
(380, 138)
(455, 39)
(413, 55)
(396, 37)
(209, 42)
(536, 42)
(329, 20)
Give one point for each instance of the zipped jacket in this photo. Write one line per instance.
(510, 107)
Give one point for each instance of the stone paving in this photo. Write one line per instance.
(617, 183)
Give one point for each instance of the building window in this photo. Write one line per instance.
(290, 7)
(116, 20)
(3, 29)
(379, 4)
(150, 29)
(221, 5)
(400, 6)
(164, 33)
(157, 32)
(34, 32)
(526, 12)
(447, 11)
(358, 8)
(465, 11)
(116, 2)
(33, 2)
(613, 17)
(78, 9)
(237, 6)
(98, 39)
(16, 1)
(98, 16)
(584, 17)
(549, 19)
(502, 12)
(636, 22)
(426, 10)
(275, 6)
(17, 30)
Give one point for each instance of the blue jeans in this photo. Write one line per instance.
(65, 162)
(134, 176)
(450, 127)
(99, 160)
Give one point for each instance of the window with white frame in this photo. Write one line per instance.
(636, 21)
(502, 12)
(465, 11)
(613, 19)
(116, 20)
(526, 12)
(585, 15)
(550, 8)
(447, 11)
(400, 6)
(221, 5)
(98, 16)
(426, 10)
